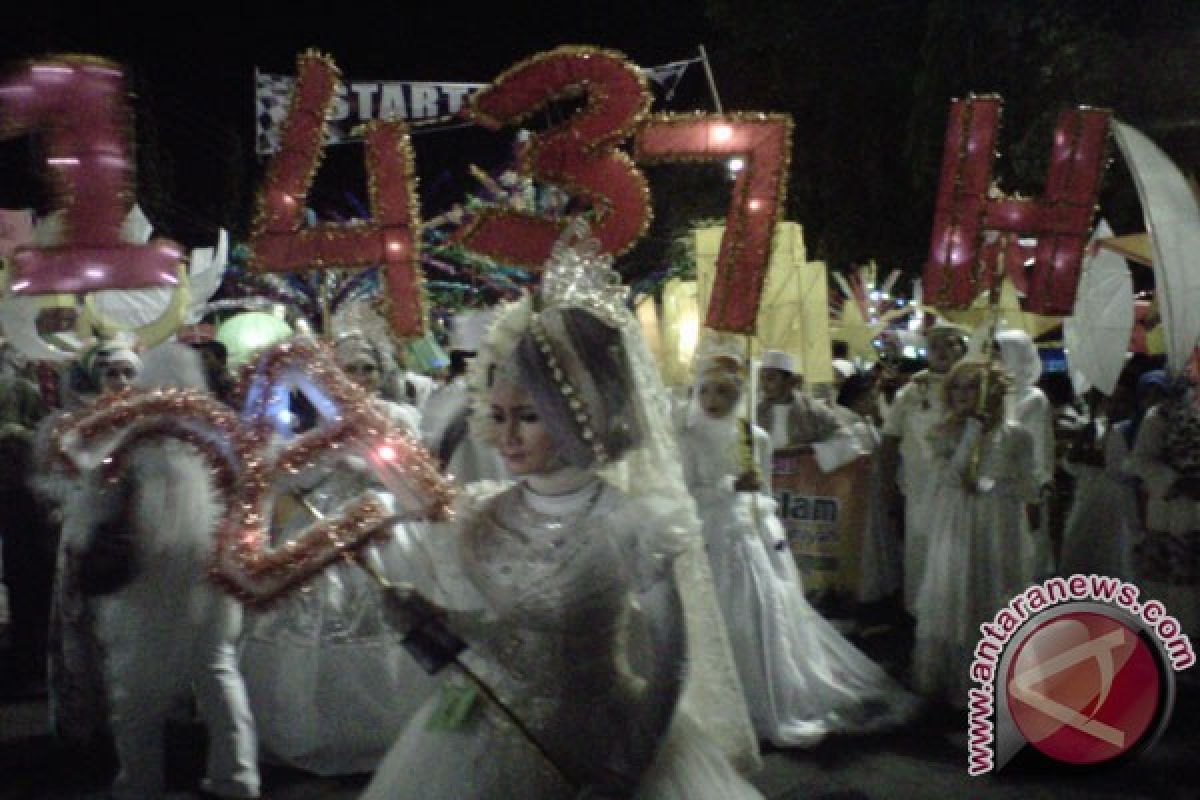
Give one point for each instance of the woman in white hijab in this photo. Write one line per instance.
(1028, 407)
(802, 679)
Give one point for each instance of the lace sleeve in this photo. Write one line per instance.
(429, 555)
(653, 539)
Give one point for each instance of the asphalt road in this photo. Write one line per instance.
(927, 759)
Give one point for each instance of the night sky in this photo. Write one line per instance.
(194, 72)
(869, 122)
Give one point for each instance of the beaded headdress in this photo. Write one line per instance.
(579, 275)
(576, 276)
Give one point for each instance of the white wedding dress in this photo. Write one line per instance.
(981, 553)
(544, 591)
(1103, 524)
(802, 679)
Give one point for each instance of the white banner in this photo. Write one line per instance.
(357, 102)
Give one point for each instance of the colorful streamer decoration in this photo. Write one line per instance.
(764, 144)
(968, 208)
(279, 241)
(579, 156)
(237, 451)
(78, 103)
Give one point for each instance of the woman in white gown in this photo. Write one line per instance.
(1166, 456)
(803, 680)
(1028, 407)
(564, 588)
(1103, 524)
(329, 683)
(980, 547)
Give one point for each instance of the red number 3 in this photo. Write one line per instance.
(579, 156)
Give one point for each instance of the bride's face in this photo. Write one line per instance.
(522, 439)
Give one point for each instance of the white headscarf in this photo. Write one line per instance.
(173, 365)
(1020, 357)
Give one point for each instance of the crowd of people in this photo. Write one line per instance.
(614, 610)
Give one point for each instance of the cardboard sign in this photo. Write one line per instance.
(824, 515)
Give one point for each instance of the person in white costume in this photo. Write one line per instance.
(1166, 456)
(329, 682)
(979, 541)
(570, 588)
(77, 697)
(165, 628)
(907, 454)
(802, 679)
(1028, 406)
(1103, 523)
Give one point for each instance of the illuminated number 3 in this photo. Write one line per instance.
(578, 156)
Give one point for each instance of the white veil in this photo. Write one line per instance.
(578, 275)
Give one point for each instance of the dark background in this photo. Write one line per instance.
(868, 83)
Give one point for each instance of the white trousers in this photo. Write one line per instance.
(153, 656)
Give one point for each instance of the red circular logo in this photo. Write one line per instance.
(1084, 688)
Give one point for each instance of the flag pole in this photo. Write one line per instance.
(712, 84)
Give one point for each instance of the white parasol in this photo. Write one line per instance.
(1173, 221)
(1097, 333)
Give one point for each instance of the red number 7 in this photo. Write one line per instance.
(763, 142)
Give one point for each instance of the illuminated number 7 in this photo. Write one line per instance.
(763, 142)
(578, 156)
(79, 103)
(279, 241)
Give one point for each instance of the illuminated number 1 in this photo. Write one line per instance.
(79, 104)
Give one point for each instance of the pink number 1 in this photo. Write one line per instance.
(79, 104)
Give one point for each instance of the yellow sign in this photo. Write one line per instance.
(794, 314)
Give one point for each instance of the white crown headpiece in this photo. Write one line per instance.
(579, 275)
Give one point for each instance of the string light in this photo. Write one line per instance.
(238, 455)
